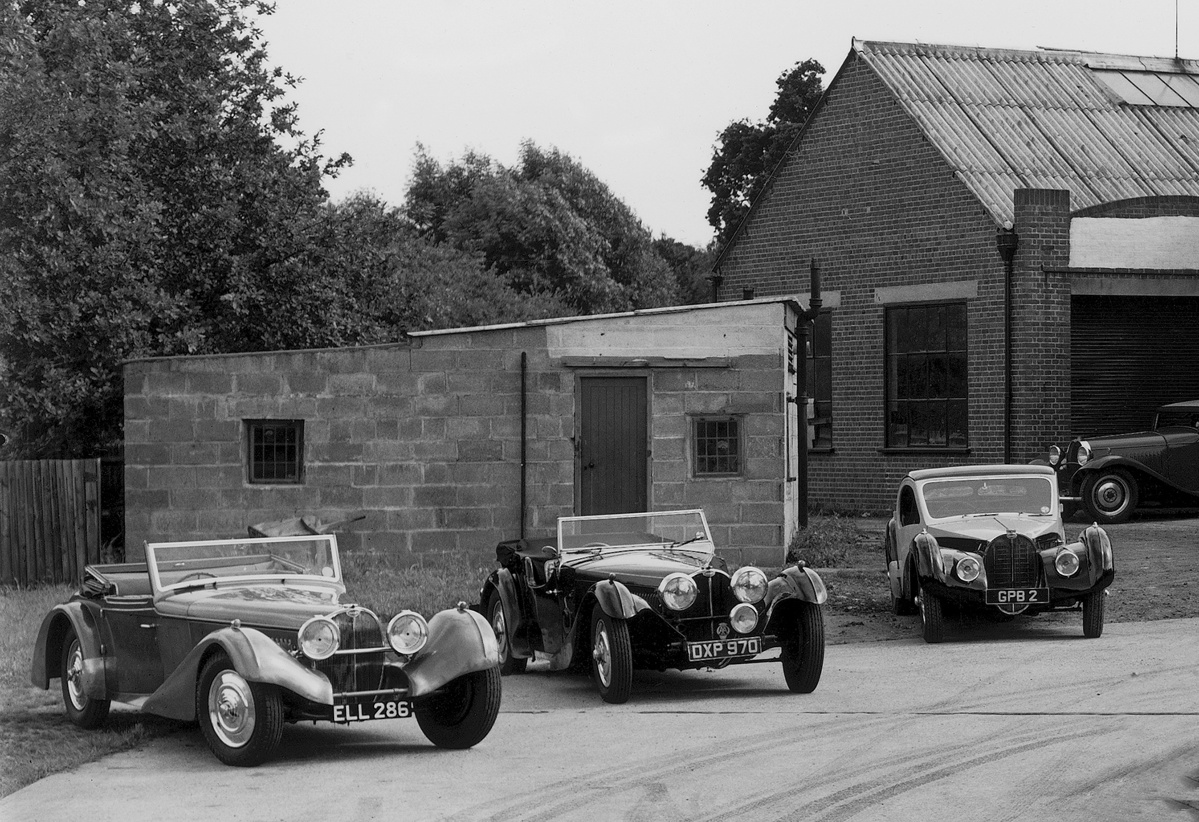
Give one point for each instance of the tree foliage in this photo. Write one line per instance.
(746, 153)
(146, 196)
(548, 226)
(157, 197)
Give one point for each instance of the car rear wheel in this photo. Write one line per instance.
(611, 657)
(803, 650)
(900, 605)
(499, 624)
(242, 721)
(461, 713)
(1092, 614)
(1110, 496)
(82, 710)
(932, 617)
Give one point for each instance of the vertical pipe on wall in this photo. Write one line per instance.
(1006, 241)
(524, 368)
(804, 328)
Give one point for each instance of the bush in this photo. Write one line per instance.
(825, 543)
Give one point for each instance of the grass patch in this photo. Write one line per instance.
(388, 584)
(832, 541)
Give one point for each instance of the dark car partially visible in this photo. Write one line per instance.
(1112, 476)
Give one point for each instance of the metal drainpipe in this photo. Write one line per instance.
(1007, 241)
(804, 332)
(524, 369)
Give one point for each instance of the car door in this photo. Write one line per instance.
(1182, 458)
(132, 633)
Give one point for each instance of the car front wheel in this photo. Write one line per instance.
(932, 617)
(803, 650)
(1092, 614)
(82, 710)
(499, 623)
(611, 657)
(461, 713)
(242, 721)
(1110, 496)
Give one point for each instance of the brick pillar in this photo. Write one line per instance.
(1040, 323)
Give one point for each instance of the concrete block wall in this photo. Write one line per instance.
(424, 438)
(876, 206)
(745, 514)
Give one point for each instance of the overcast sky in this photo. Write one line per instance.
(635, 90)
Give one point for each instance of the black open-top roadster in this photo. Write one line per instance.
(647, 590)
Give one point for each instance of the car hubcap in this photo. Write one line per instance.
(1111, 495)
(75, 677)
(231, 709)
(602, 655)
(501, 630)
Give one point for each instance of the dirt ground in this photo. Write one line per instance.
(1157, 577)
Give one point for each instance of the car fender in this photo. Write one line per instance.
(1120, 461)
(460, 642)
(616, 600)
(254, 655)
(796, 582)
(47, 648)
(1099, 548)
(504, 584)
(928, 557)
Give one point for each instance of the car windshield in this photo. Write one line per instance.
(1176, 419)
(974, 496)
(657, 531)
(182, 564)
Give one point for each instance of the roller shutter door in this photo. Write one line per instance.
(1129, 355)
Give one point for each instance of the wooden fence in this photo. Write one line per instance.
(49, 520)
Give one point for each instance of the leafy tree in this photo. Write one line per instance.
(548, 226)
(146, 195)
(691, 266)
(746, 153)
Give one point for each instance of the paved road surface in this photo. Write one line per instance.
(1020, 722)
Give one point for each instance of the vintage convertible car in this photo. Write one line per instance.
(244, 635)
(990, 537)
(1111, 476)
(646, 590)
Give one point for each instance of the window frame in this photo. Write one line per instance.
(698, 454)
(950, 409)
(254, 429)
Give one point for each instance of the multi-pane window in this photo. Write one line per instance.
(275, 451)
(717, 446)
(926, 376)
(820, 381)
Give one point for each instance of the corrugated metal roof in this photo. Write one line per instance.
(1006, 119)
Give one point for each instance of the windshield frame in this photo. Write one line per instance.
(585, 535)
(973, 499)
(166, 560)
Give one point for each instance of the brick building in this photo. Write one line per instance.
(1008, 244)
(458, 439)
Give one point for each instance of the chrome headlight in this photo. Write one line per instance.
(743, 618)
(319, 638)
(1055, 455)
(967, 569)
(678, 591)
(749, 584)
(407, 632)
(1066, 563)
(1084, 452)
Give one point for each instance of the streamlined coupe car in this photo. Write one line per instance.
(990, 538)
(245, 635)
(1111, 476)
(646, 590)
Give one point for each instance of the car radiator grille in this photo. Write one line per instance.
(1012, 561)
(360, 631)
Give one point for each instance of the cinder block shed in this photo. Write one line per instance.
(457, 439)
